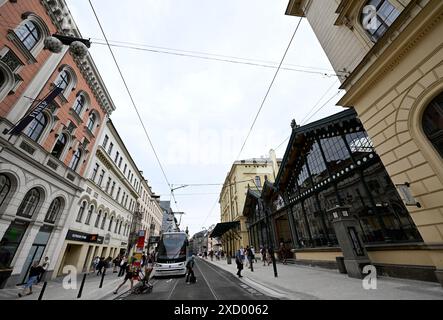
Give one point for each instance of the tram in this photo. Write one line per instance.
(173, 251)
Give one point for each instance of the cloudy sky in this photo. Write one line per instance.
(197, 110)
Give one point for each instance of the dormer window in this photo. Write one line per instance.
(377, 16)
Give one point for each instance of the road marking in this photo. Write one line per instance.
(209, 286)
(172, 291)
(244, 286)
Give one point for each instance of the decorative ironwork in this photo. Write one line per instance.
(12, 61)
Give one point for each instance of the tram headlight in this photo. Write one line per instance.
(157, 265)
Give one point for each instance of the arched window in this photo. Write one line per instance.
(120, 228)
(5, 187)
(36, 127)
(104, 221)
(59, 146)
(97, 221)
(75, 160)
(29, 34)
(29, 204)
(433, 123)
(377, 17)
(54, 210)
(88, 218)
(63, 79)
(110, 224)
(79, 104)
(116, 226)
(91, 121)
(81, 211)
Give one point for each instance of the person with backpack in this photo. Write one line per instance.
(190, 276)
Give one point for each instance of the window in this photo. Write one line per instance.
(433, 123)
(112, 189)
(377, 19)
(110, 224)
(29, 204)
(118, 193)
(91, 121)
(258, 181)
(63, 80)
(79, 104)
(126, 167)
(59, 146)
(75, 160)
(116, 227)
(95, 171)
(36, 127)
(123, 198)
(81, 211)
(108, 184)
(104, 221)
(29, 34)
(100, 179)
(97, 221)
(5, 187)
(111, 146)
(88, 218)
(105, 142)
(116, 156)
(120, 163)
(54, 210)
(129, 174)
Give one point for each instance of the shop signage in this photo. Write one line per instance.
(84, 237)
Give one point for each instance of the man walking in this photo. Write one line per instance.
(123, 264)
(190, 276)
(239, 262)
(34, 274)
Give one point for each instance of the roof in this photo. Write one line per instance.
(221, 228)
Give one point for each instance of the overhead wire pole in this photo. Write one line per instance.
(132, 100)
(270, 87)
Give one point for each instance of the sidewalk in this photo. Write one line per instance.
(307, 283)
(91, 291)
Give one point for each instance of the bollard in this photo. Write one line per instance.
(40, 297)
(81, 287)
(274, 263)
(103, 278)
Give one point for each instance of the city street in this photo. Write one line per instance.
(213, 283)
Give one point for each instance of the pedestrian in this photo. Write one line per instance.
(130, 274)
(253, 254)
(206, 255)
(190, 276)
(249, 256)
(123, 264)
(116, 263)
(143, 261)
(100, 266)
(268, 256)
(34, 274)
(211, 255)
(239, 262)
(45, 266)
(263, 255)
(282, 252)
(246, 257)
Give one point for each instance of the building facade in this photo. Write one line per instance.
(169, 221)
(391, 56)
(106, 208)
(244, 174)
(42, 168)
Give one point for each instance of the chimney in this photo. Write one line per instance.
(273, 157)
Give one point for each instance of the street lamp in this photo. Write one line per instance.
(77, 46)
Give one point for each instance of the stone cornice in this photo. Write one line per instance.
(385, 59)
(65, 24)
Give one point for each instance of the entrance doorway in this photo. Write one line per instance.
(283, 231)
(71, 257)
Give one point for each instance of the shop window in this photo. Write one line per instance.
(433, 123)
(10, 242)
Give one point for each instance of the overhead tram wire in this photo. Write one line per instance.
(255, 64)
(132, 100)
(269, 89)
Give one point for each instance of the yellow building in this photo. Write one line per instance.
(389, 55)
(244, 174)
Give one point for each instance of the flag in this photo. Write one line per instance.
(19, 127)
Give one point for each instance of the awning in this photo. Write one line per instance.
(221, 228)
